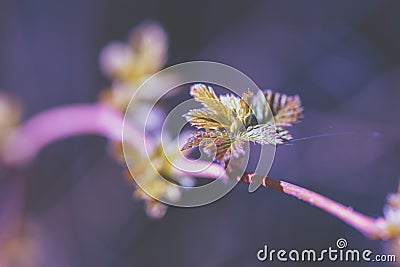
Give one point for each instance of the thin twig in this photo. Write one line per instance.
(368, 226)
(62, 122)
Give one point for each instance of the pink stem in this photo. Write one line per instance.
(199, 168)
(366, 225)
(62, 122)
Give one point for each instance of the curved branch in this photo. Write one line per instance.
(368, 226)
(62, 122)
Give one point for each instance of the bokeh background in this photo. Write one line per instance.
(341, 57)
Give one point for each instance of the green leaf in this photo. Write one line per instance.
(262, 134)
(229, 122)
(285, 109)
(207, 97)
(213, 142)
(203, 118)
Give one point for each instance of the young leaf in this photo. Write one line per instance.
(285, 109)
(228, 122)
(263, 134)
(207, 97)
(203, 118)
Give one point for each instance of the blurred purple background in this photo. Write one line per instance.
(341, 57)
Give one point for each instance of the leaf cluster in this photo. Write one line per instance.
(226, 123)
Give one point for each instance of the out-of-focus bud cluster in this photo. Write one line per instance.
(129, 64)
(390, 225)
(10, 117)
(150, 176)
(392, 215)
